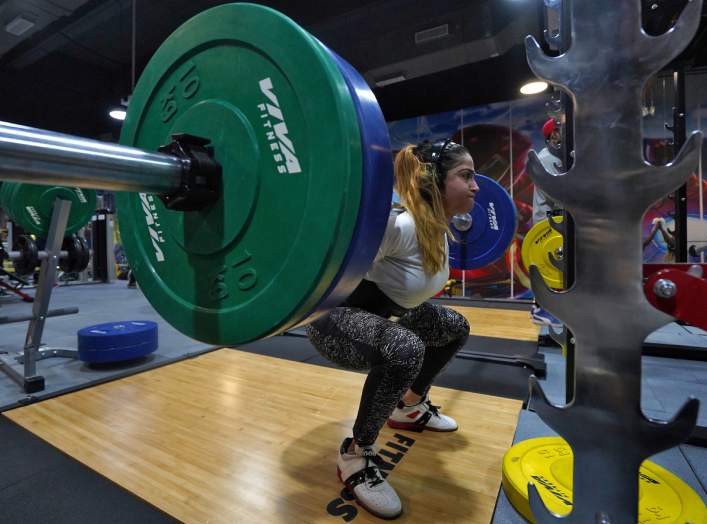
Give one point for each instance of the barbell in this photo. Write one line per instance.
(254, 175)
(73, 256)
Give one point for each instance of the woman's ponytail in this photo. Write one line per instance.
(417, 185)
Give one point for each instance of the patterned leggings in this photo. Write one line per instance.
(406, 354)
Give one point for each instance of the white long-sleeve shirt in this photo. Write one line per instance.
(397, 268)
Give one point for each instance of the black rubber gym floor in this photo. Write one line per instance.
(467, 375)
(39, 483)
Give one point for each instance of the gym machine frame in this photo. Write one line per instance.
(32, 351)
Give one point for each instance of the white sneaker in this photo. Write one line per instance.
(361, 476)
(421, 416)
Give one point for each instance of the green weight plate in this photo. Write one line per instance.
(284, 127)
(30, 206)
(6, 196)
(7, 190)
(3, 189)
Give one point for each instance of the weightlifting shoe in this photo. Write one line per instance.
(423, 415)
(360, 474)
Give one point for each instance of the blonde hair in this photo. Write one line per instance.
(416, 184)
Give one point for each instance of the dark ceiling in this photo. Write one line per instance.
(75, 63)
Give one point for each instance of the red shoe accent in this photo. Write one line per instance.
(410, 426)
(413, 415)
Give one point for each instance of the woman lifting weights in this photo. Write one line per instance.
(434, 181)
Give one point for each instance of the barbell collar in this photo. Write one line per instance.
(200, 184)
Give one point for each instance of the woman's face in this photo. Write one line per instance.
(460, 188)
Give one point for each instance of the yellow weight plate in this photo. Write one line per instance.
(547, 462)
(539, 243)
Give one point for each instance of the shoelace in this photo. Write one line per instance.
(371, 471)
(434, 409)
(373, 475)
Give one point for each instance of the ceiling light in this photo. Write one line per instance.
(532, 88)
(392, 80)
(19, 25)
(118, 114)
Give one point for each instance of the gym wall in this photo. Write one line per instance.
(500, 137)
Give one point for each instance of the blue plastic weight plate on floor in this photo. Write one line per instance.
(493, 227)
(376, 192)
(117, 341)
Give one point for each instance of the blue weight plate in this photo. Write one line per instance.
(117, 354)
(376, 193)
(479, 227)
(492, 230)
(116, 334)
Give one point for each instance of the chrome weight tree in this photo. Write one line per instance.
(607, 191)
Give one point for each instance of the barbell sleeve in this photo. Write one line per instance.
(38, 156)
